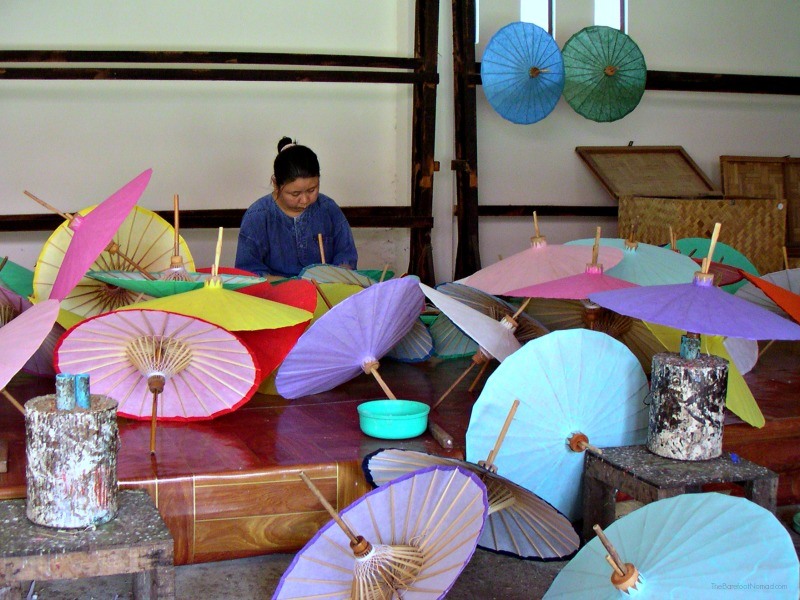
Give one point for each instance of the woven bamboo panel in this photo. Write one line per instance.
(659, 171)
(766, 177)
(756, 228)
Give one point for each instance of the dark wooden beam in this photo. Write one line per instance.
(682, 81)
(357, 216)
(545, 210)
(220, 58)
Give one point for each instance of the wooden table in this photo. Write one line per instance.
(647, 477)
(136, 541)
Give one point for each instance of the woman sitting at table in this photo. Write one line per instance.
(280, 232)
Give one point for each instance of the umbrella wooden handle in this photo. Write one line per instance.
(66, 216)
(153, 416)
(175, 203)
(322, 294)
(501, 438)
(452, 387)
(321, 248)
(13, 401)
(478, 377)
(372, 368)
(444, 439)
(707, 260)
(331, 511)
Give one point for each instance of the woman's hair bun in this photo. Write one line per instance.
(284, 141)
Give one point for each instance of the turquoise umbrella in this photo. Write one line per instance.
(690, 546)
(723, 253)
(522, 73)
(577, 389)
(16, 277)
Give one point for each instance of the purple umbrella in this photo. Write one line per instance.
(698, 307)
(350, 338)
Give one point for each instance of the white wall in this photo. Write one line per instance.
(73, 143)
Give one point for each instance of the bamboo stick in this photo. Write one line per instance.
(502, 436)
(13, 400)
(321, 248)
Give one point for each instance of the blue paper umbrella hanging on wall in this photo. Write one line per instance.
(605, 73)
(522, 73)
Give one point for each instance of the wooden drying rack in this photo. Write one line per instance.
(419, 71)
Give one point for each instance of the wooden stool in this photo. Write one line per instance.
(647, 477)
(136, 541)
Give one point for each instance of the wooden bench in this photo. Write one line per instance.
(647, 477)
(136, 541)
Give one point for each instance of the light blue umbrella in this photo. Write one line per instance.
(522, 73)
(645, 264)
(569, 382)
(690, 546)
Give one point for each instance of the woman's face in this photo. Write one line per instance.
(296, 196)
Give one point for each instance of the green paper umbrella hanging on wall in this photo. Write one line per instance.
(604, 73)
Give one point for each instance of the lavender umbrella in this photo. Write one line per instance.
(350, 338)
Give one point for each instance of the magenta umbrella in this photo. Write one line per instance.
(12, 305)
(350, 338)
(93, 232)
(574, 287)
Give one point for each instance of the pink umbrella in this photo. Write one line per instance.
(574, 287)
(350, 338)
(20, 338)
(161, 365)
(12, 305)
(93, 233)
(539, 263)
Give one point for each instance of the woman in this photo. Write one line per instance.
(279, 235)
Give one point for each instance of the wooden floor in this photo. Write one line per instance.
(229, 487)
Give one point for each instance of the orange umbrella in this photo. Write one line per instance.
(788, 301)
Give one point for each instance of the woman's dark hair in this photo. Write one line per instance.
(293, 162)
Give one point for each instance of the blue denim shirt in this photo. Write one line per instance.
(273, 243)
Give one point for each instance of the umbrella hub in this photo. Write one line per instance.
(628, 580)
(7, 313)
(158, 355)
(384, 568)
(76, 221)
(579, 442)
(594, 269)
(631, 246)
(176, 272)
(703, 279)
(534, 72)
(111, 297)
(538, 241)
(610, 70)
(370, 364)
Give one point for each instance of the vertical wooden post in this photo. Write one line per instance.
(468, 258)
(423, 165)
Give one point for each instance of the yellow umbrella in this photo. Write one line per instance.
(739, 399)
(144, 237)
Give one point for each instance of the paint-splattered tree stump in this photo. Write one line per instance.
(647, 477)
(137, 541)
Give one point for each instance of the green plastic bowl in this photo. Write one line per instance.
(393, 419)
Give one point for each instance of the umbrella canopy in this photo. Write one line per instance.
(144, 237)
(205, 370)
(350, 337)
(449, 341)
(574, 287)
(490, 334)
(93, 232)
(522, 73)
(645, 264)
(568, 382)
(16, 277)
(604, 73)
(571, 314)
(270, 346)
(698, 307)
(415, 346)
(689, 546)
(537, 264)
(433, 515)
(227, 308)
(777, 287)
(158, 288)
(21, 337)
(323, 273)
(738, 399)
(518, 523)
(12, 305)
(696, 247)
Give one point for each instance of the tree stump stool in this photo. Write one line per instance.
(137, 541)
(647, 477)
